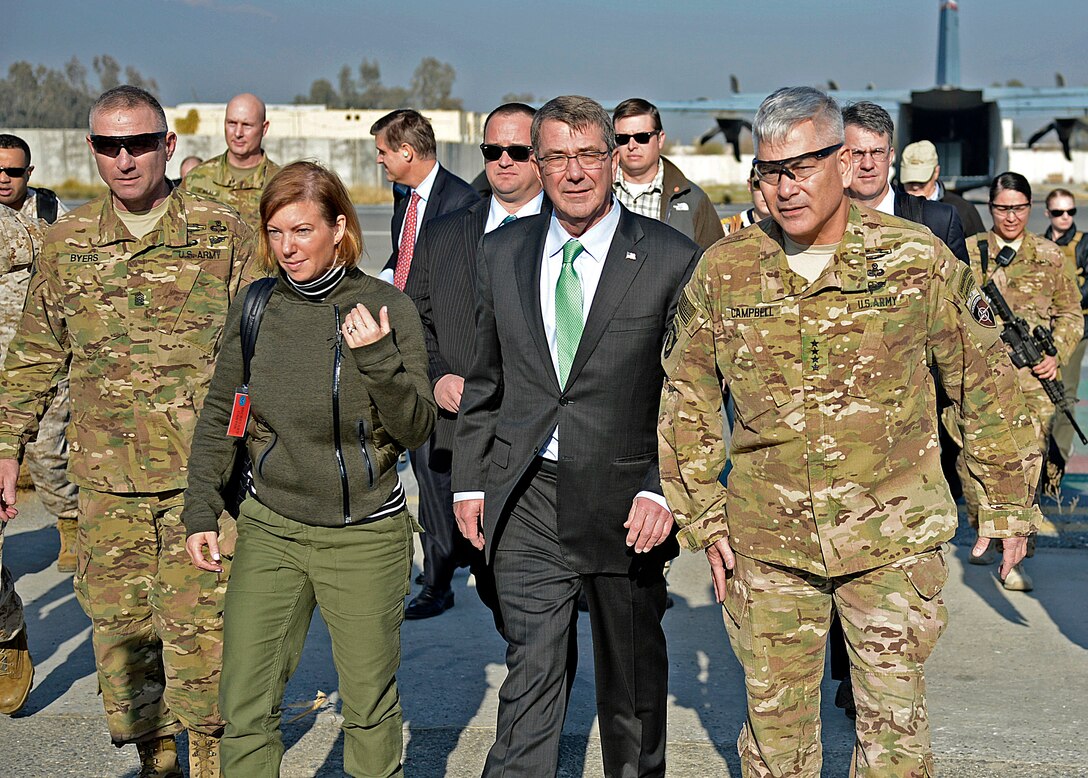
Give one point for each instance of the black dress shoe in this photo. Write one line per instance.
(844, 698)
(428, 603)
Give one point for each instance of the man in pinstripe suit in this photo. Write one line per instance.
(442, 286)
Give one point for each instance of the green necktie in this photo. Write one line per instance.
(509, 218)
(568, 310)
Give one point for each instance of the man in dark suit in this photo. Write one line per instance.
(869, 132)
(422, 188)
(442, 285)
(555, 467)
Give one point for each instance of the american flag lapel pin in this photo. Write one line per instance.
(631, 255)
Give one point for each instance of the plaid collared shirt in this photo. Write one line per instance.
(647, 203)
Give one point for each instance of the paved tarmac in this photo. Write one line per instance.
(1008, 683)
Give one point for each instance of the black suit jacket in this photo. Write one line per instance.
(449, 193)
(607, 414)
(442, 284)
(941, 219)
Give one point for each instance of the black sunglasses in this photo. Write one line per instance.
(641, 138)
(14, 172)
(135, 145)
(1056, 212)
(493, 152)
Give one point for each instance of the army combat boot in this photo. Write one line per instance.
(203, 755)
(66, 559)
(16, 673)
(159, 758)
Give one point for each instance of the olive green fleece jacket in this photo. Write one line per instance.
(301, 468)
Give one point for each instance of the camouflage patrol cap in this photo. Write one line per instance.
(918, 162)
(16, 245)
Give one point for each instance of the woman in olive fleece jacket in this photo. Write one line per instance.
(338, 388)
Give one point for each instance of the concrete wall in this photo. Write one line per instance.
(304, 121)
(62, 155)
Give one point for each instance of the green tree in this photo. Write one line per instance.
(432, 85)
(37, 96)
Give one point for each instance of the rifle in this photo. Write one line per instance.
(1028, 348)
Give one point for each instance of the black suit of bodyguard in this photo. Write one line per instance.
(552, 526)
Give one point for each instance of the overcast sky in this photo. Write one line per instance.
(208, 50)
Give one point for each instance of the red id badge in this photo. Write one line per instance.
(239, 415)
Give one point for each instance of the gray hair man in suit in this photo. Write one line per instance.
(555, 460)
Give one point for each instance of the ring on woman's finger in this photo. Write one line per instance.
(351, 329)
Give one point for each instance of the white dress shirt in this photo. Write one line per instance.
(887, 205)
(496, 212)
(589, 264)
(424, 192)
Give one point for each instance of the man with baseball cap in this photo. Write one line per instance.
(920, 171)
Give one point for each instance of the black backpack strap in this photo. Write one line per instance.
(984, 255)
(47, 204)
(257, 295)
(911, 207)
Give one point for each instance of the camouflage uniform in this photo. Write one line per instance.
(47, 456)
(140, 322)
(1040, 286)
(19, 238)
(214, 180)
(835, 493)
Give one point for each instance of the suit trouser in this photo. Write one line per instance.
(777, 619)
(157, 621)
(444, 547)
(358, 577)
(537, 591)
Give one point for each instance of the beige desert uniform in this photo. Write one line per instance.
(834, 490)
(140, 322)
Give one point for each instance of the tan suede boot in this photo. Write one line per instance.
(66, 559)
(159, 758)
(203, 755)
(16, 673)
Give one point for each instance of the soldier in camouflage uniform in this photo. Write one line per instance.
(19, 241)
(132, 289)
(1040, 286)
(237, 177)
(822, 324)
(46, 457)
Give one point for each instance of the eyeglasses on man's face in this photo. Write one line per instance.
(135, 145)
(879, 154)
(799, 168)
(587, 160)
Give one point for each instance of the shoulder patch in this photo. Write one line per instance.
(980, 309)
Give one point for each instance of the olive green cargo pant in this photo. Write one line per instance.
(358, 576)
(777, 620)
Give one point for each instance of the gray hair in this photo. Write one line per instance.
(579, 113)
(869, 116)
(126, 97)
(785, 108)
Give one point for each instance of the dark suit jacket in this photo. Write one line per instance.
(607, 414)
(442, 284)
(942, 220)
(449, 194)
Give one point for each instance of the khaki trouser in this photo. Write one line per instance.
(157, 620)
(358, 576)
(777, 620)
